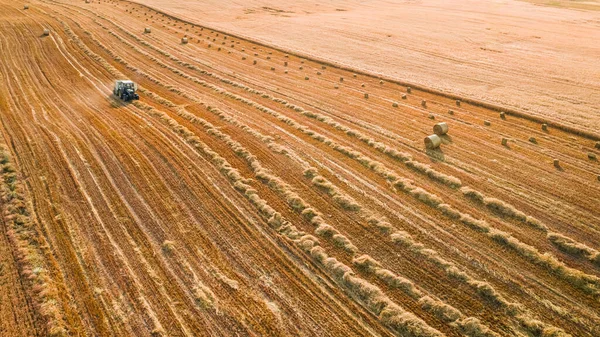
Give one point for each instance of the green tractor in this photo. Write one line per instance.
(125, 90)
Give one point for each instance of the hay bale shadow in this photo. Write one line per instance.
(436, 154)
(446, 139)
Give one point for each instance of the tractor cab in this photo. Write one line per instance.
(126, 90)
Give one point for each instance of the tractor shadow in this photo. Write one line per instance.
(116, 102)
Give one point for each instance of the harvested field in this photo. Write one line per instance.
(488, 50)
(253, 191)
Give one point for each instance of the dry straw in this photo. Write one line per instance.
(321, 256)
(440, 128)
(432, 141)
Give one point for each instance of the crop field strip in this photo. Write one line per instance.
(233, 198)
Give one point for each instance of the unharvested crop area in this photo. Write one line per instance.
(251, 191)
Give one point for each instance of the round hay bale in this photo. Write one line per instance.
(268, 57)
(354, 75)
(147, 30)
(591, 156)
(366, 95)
(408, 90)
(403, 96)
(336, 86)
(301, 67)
(381, 82)
(285, 71)
(273, 68)
(503, 115)
(487, 123)
(46, 32)
(362, 85)
(318, 73)
(286, 56)
(556, 163)
(431, 116)
(323, 67)
(432, 141)
(440, 128)
(424, 103)
(254, 62)
(451, 112)
(458, 102)
(504, 141)
(341, 79)
(395, 105)
(533, 140)
(285, 64)
(243, 57)
(26, 7)
(306, 78)
(545, 127)
(184, 40)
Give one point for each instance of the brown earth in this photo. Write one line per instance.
(274, 197)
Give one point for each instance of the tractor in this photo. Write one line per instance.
(125, 90)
